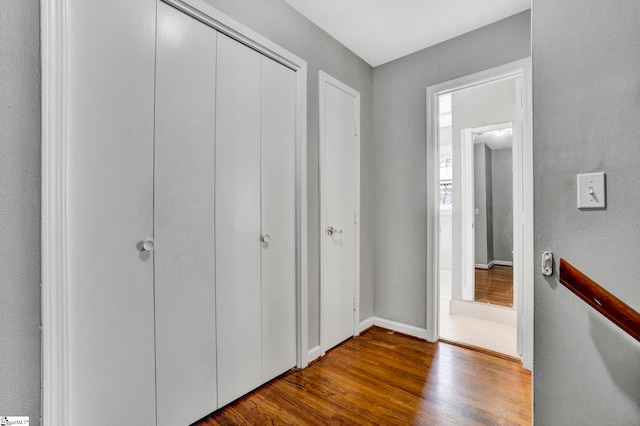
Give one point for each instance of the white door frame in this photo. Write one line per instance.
(323, 79)
(55, 165)
(523, 204)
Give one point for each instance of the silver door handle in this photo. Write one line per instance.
(265, 238)
(331, 230)
(146, 245)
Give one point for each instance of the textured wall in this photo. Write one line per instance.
(20, 209)
(400, 158)
(586, 101)
(482, 194)
(502, 181)
(281, 24)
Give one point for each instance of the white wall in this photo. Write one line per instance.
(586, 109)
(476, 107)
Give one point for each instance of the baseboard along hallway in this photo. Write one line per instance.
(387, 378)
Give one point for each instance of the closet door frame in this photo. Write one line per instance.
(56, 158)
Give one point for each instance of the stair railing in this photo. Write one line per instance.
(621, 314)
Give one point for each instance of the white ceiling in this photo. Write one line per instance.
(380, 31)
(496, 139)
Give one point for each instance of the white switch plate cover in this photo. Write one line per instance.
(591, 191)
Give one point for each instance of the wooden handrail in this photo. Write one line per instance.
(621, 314)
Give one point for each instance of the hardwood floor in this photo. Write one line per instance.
(387, 378)
(494, 285)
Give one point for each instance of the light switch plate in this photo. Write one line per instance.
(591, 191)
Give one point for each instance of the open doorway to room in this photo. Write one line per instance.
(480, 128)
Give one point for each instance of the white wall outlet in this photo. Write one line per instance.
(591, 191)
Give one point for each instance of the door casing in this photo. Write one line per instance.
(523, 197)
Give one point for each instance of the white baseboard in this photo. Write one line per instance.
(317, 352)
(314, 353)
(365, 324)
(485, 266)
(503, 262)
(411, 330)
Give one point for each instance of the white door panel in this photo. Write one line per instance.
(339, 210)
(278, 219)
(110, 210)
(184, 218)
(238, 246)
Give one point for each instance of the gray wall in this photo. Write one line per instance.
(20, 175)
(20, 209)
(502, 181)
(586, 62)
(281, 24)
(483, 196)
(400, 155)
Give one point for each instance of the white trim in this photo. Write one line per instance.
(55, 75)
(209, 15)
(484, 266)
(492, 263)
(324, 78)
(314, 353)
(520, 69)
(410, 330)
(369, 322)
(302, 298)
(54, 377)
(467, 209)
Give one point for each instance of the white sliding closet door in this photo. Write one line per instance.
(238, 245)
(184, 218)
(278, 219)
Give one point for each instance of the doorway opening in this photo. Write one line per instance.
(481, 263)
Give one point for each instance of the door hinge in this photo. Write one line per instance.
(355, 217)
(355, 304)
(355, 129)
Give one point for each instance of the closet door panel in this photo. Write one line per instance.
(278, 219)
(109, 293)
(238, 300)
(184, 218)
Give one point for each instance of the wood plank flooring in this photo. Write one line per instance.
(494, 285)
(386, 378)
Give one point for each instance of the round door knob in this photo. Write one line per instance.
(265, 238)
(331, 230)
(146, 245)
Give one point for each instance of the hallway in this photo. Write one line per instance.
(383, 377)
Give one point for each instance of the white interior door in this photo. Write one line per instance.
(108, 299)
(184, 218)
(238, 245)
(340, 169)
(278, 219)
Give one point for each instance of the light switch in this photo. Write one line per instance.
(591, 191)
